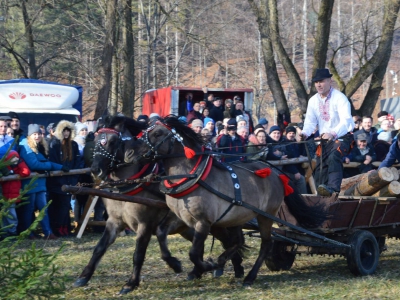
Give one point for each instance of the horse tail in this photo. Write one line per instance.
(307, 216)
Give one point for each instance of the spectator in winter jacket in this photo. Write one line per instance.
(229, 109)
(382, 145)
(367, 128)
(34, 151)
(217, 111)
(81, 130)
(293, 150)
(5, 140)
(393, 155)
(194, 113)
(258, 145)
(363, 153)
(63, 151)
(11, 190)
(231, 143)
(196, 125)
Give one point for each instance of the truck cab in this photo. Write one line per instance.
(165, 101)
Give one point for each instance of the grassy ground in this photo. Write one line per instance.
(317, 277)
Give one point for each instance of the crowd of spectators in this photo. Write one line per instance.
(63, 148)
(225, 125)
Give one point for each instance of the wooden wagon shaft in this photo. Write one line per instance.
(114, 196)
(392, 189)
(371, 183)
(50, 174)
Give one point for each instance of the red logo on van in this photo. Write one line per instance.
(17, 96)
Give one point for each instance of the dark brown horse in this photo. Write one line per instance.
(144, 220)
(211, 203)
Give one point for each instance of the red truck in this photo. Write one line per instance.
(165, 101)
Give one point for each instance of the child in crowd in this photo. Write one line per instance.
(11, 190)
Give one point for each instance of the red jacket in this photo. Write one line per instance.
(11, 189)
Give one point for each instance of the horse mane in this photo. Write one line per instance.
(133, 126)
(183, 130)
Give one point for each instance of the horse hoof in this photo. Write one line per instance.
(192, 276)
(247, 284)
(239, 273)
(175, 264)
(80, 282)
(218, 273)
(125, 291)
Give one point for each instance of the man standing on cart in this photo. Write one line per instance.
(329, 109)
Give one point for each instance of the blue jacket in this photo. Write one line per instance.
(36, 162)
(391, 157)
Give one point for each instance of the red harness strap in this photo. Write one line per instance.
(137, 175)
(195, 186)
(174, 184)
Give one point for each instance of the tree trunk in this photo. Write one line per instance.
(33, 72)
(375, 86)
(128, 58)
(322, 35)
(284, 57)
(385, 45)
(106, 60)
(274, 83)
(392, 189)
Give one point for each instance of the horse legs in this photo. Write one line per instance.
(143, 237)
(196, 252)
(110, 234)
(265, 226)
(232, 240)
(162, 232)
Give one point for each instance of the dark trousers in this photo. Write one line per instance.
(329, 168)
(59, 211)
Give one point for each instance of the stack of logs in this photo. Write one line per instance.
(378, 183)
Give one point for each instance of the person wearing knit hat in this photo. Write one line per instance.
(81, 133)
(210, 125)
(34, 151)
(290, 129)
(382, 115)
(16, 125)
(143, 118)
(197, 125)
(274, 128)
(34, 128)
(231, 143)
(229, 111)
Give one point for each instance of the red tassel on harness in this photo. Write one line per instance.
(263, 172)
(287, 188)
(189, 153)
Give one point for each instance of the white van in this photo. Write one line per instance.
(40, 102)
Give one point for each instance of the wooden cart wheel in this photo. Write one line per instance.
(279, 258)
(363, 256)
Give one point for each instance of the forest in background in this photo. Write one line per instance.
(117, 49)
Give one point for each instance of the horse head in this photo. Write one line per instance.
(163, 139)
(110, 142)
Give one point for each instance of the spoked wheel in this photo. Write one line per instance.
(279, 258)
(363, 256)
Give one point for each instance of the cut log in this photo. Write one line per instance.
(349, 182)
(392, 189)
(395, 172)
(370, 184)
